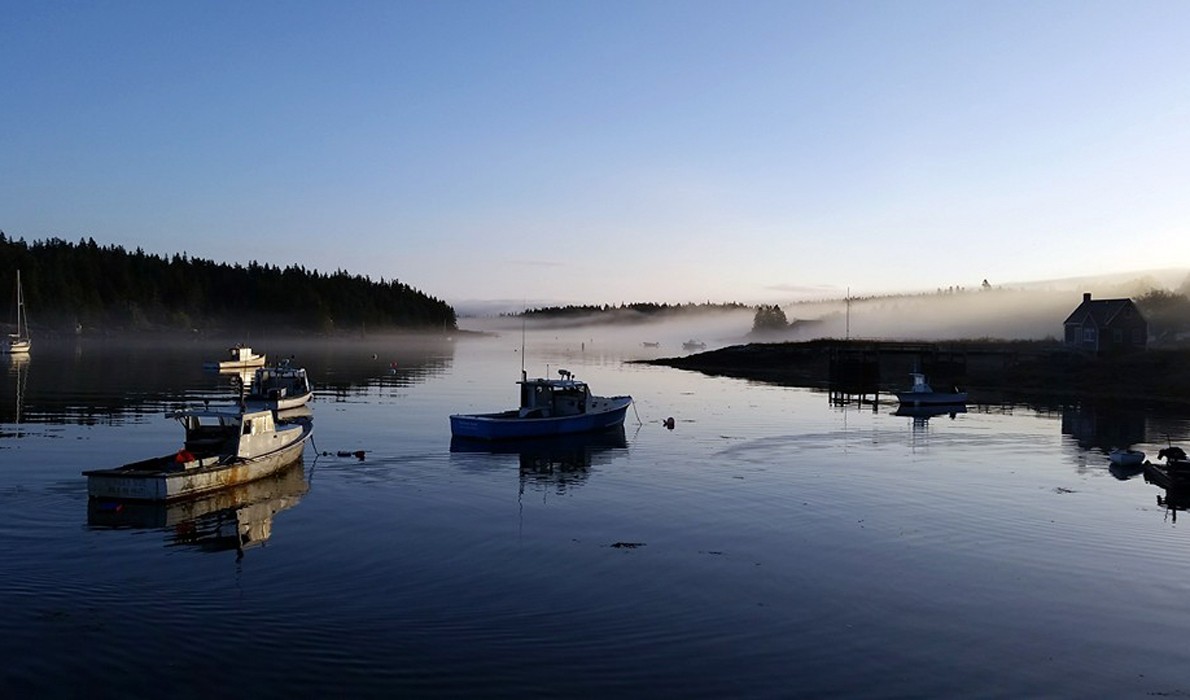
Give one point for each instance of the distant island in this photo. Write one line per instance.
(83, 285)
(639, 312)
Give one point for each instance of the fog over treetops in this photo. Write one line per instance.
(1016, 311)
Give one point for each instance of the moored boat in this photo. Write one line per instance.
(693, 345)
(1174, 474)
(281, 387)
(548, 407)
(1126, 458)
(18, 343)
(921, 393)
(238, 357)
(221, 449)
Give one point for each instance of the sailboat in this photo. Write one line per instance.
(19, 342)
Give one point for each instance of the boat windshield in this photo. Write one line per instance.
(545, 399)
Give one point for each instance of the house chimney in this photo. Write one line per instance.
(1086, 296)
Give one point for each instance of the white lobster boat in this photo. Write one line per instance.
(222, 449)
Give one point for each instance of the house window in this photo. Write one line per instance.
(1117, 336)
(1088, 335)
(1138, 336)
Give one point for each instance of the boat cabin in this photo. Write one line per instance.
(1106, 327)
(553, 398)
(240, 354)
(279, 383)
(244, 435)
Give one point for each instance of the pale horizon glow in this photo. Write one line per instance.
(607, 153)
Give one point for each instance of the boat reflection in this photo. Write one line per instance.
(560, 462)
(236, 518)
(1124, 472)
(18, 369)
(922, 414)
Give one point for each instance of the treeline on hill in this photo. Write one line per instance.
(622, 312)
(108, 287)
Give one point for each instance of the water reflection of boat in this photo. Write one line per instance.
(548, 407)
(1124, 472)
(562, 459)
(221, 449)
(926, 412)
(236, 518)
(18, 366)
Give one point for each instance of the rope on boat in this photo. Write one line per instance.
(638, 420)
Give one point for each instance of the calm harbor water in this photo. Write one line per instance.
(771, 545)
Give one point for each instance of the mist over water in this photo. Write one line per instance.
(1027, 311)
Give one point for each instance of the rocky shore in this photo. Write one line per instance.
(989, 370)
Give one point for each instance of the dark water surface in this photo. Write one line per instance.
(771, 545)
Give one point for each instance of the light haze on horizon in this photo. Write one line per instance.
(608, 152)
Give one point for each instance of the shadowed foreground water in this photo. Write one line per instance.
(770, 545)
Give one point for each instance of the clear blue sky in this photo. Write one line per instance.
(602, 152)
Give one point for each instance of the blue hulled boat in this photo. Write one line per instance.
(563, 406)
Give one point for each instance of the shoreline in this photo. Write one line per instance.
(986, 369)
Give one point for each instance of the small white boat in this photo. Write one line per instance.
(922, 394)
(549, 407)
(693, 345)
(1126, 458)
(239, 357)
(221, 449)
(281, 387)
(18, 343)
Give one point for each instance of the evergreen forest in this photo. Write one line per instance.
(68, 285)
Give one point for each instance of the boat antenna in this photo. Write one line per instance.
(524, 311)
(848, 313)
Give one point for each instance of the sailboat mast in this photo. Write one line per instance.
(20, 307)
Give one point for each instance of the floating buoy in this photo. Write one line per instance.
(668, 423)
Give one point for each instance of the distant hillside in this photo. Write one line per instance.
(108, 287)
(624, 313)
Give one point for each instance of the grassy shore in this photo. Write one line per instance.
(989, 370)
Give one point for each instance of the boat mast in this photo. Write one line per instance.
(22, 322)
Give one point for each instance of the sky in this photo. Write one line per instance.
(489, 152)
